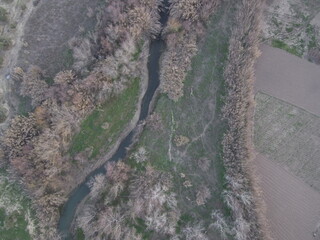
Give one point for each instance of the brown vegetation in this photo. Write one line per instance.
(149, 199)
(241, 195)
(185, 28)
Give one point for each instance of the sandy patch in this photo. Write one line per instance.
(289, 78)
(293, 208)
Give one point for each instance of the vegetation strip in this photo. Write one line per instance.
(241, 194)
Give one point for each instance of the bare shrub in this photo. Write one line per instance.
(64, 77)
(193, 10)
(96, 185)
(204, 164)
(141, 20)
(140, 155)
(185, 9)
(175, 65)
(220, 224)
(85, 219)
(194, 232)
(21, 131)
(111, 222)
(203, 195)
(117, 175)
(34, 86)
(181, 140)
(155, 122)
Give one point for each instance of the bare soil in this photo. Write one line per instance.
(289, 78)
(292, 206)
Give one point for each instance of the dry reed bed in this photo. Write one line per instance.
(242, 195)
(185, 27)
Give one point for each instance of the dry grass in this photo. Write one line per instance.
(241, 195)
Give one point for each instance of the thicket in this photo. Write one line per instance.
(185, 28)
(132, 203)
(36, 146)
(241, 194)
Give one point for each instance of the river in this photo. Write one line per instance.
(157, 47)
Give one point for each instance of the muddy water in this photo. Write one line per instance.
(157, 46)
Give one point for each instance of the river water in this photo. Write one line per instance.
(157, 47)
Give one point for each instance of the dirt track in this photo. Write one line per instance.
(289, 78)
(293, 208)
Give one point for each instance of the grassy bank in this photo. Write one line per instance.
(103, 127)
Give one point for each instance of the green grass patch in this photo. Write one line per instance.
(104, 125)
(15, 211)
(282, 45)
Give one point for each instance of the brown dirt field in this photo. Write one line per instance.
(293, 208)
(289, 78)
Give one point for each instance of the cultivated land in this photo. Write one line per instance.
(289, 78)
(290, 136)
(292, 206)
(287, 138)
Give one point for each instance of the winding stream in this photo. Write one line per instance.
(157, 46)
